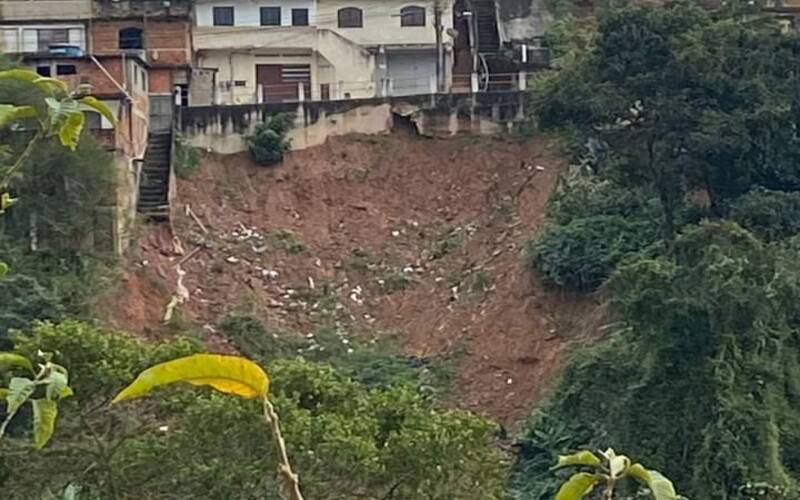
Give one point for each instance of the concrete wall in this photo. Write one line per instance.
(222, 129)
(523, 20)
(248, 12)
(234, 52)
(45, 10)
(382, 21)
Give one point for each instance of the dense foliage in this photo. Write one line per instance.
(268, 142)
(679, 115)
(348, 439)
(704, 378)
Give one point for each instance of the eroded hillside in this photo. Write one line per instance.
(420, 239)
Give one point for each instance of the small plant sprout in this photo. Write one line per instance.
(43, 388)
(607, 471)
(228, 374)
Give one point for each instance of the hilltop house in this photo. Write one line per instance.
(277, 50)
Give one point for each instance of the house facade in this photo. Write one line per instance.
(279, 50)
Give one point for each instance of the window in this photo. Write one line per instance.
(299, 17)
(223, 16)
(350, 17)
(43, 70)
(93, 120)
(412, 16)
(130, 38)
(270, 16)
(49, 37)
(66, 69)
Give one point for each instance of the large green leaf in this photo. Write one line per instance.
(45, 412)
(100, 107)
(3, 265)
(578, 486)
(70, 130)
(230, 374)
(580, 458)
(19, 390)
(659, 485)
(14, 360)
(24, 75)
(10, 113)
(57, 386)
(51, 85)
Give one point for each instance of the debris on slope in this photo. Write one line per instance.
(424, 238)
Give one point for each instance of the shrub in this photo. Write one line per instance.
(583, 253)
(186, 157)
(585, 195)
(346, 439)
(771, 215)
(269, 142)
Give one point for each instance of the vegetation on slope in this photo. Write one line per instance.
(687, 119)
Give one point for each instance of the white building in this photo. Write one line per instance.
(268, 50)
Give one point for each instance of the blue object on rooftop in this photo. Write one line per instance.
(66, 50)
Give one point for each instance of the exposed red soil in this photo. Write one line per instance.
(449, 218)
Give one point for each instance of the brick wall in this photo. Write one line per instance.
(168, 42)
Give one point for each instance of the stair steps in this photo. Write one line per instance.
(154, 181)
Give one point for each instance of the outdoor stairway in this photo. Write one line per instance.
(486, 26)
(154, 182)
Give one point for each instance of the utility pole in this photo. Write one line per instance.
(437, 25)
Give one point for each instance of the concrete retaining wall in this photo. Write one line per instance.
(222, 129)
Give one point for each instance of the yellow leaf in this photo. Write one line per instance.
(577, 486)
(45, 412)
(14, 360)
(100, 107)
(230, 374)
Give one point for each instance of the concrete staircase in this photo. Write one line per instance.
(154, 182)
(488, 36)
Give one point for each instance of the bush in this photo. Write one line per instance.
(346, 439)
(586, 195)
(771, 215)
(186, 158)
(268, 143)
(583, 253)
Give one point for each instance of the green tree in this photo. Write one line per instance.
(681, 101)
(703, 377)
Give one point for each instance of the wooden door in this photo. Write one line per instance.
(279, 81)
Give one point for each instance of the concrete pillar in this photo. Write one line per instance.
(523, 80)
(301, 92)
(473, 82)
(259, 94)
(391, 87)
(433, 85)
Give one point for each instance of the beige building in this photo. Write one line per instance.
(285, 50)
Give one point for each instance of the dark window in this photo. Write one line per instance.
(51, 37)
(223, 16)
(43, 70)
(130, 38)
(299, 17)
(412, 16)
(270, 16)
(66, 69)
(93, 120)
(350, 17)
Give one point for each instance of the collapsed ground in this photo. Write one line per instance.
(421, 240)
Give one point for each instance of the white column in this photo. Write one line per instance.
(259, 93)
(523, 80)
(473, 82)
(301, 92)
(433, 85)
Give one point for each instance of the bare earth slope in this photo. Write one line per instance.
(419, 238)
